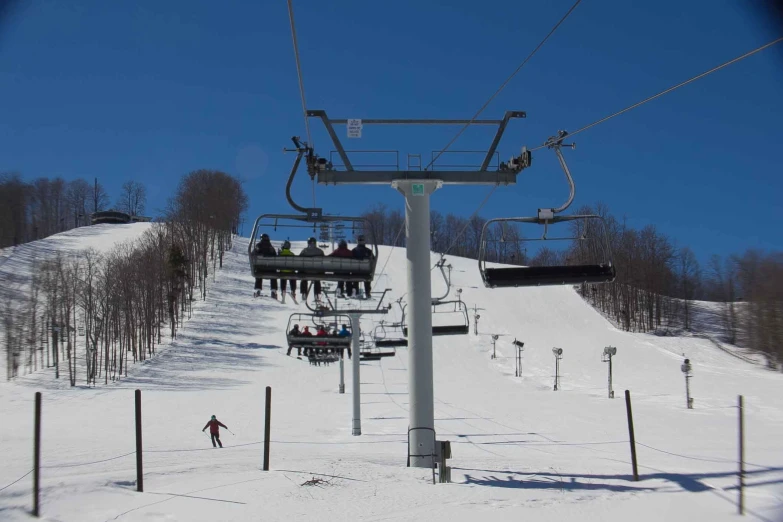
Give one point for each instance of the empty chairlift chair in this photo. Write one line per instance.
(448, 318)
(588, 257)
(389, 335)
(589, 252)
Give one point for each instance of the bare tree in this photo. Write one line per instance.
(689, 275)
(78, 194)
(133, 198)
(100, 198)
(721, 285)
(14, 207)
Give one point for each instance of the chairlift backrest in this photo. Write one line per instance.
(321, 268)
(602, 271)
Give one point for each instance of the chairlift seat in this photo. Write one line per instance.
(376, 355)
(390, 343)
(548, 275)
(318, 342)
(458, 329)
(312, 268)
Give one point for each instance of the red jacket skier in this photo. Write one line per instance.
(214, 430)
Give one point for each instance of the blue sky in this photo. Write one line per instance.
(150, 90)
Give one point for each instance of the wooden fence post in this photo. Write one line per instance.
(631, 434)
(267, 419)
(139, 467)
(37, 456)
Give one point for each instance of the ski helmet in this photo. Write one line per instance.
(286, 244)
(214, 418)
(343, 243)
(311, 241)
(361, 240)
(264, 237)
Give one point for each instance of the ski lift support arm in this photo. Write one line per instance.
(446, 278)
(506, 174)
(556, 143)
(312, 214)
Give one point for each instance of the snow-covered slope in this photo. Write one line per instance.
(16, 262)
(521, 451)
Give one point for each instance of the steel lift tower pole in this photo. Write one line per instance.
(416, 186)
(421, 412)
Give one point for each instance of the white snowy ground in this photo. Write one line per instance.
(521, 451)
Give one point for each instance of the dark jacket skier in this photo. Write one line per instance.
(214, 430)
(362, 252)
(295, 332)
(311, 250)
(264, 248)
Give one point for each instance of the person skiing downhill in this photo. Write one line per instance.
(214, 430)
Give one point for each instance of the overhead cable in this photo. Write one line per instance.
(503, 85)
(299, 73)
(670, 89)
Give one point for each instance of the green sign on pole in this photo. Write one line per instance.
(417, 189)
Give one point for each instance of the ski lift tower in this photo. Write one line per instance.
(416, 185)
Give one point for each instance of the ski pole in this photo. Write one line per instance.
(231, 432)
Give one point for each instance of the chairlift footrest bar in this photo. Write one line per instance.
(548, 275)
(446, 330)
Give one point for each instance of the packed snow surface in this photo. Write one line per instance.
(521, 451)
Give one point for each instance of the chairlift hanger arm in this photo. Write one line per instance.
(300, 151)
(446, 278)
(556, 143)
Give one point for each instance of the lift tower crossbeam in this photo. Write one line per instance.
(417, 186)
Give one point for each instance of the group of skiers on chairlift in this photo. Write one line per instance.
(264, 248)
(320, 332)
